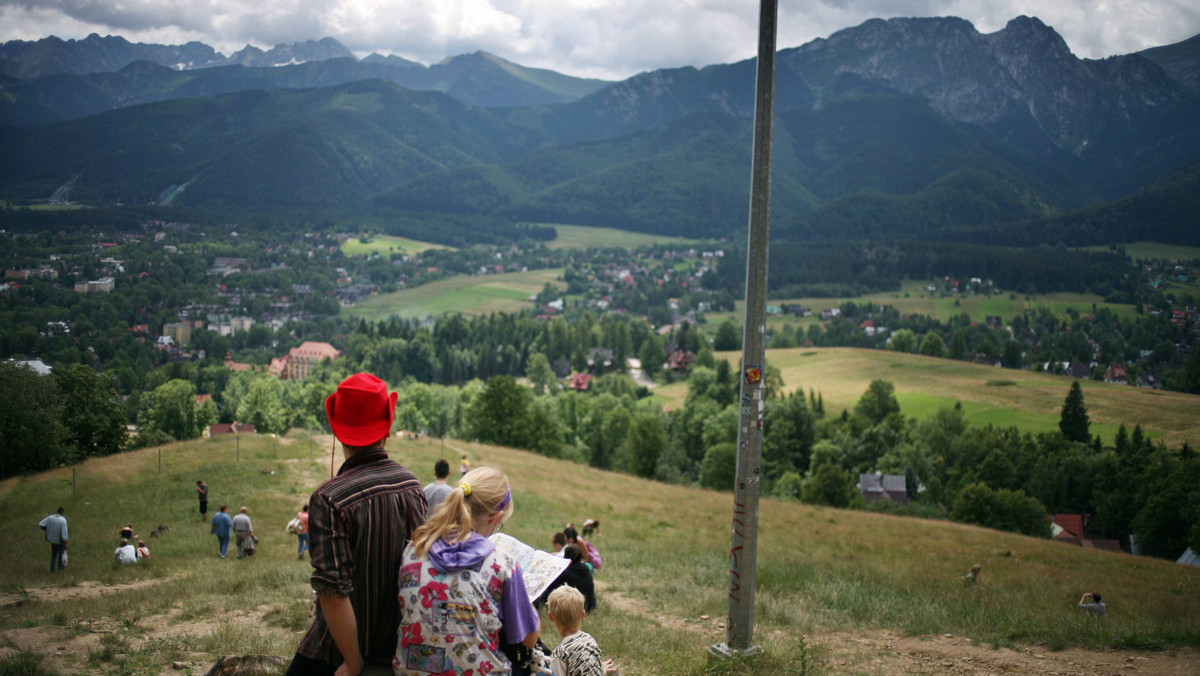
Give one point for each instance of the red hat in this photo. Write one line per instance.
(361, 410)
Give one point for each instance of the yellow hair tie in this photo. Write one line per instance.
(466, 488)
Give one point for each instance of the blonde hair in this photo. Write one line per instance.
(488, 494)
(566, 608)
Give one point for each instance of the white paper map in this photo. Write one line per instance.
(538, 569)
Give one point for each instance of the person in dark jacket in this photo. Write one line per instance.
(576, 574)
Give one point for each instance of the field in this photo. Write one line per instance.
(914, 298)
(472, 295)
(838, 592)
(583, 237)
(385, 245)
(1002, 397)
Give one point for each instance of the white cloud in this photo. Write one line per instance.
(599, 38)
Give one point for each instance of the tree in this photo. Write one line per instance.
(1001, 509)
(92, 413)
(728, 337)
(171, 408)
(652, 356)
(719, 468)
(958, 345)
(1012, 354)
(1074, 420)
(645, 442)
(829, 485)
(498, 415)
(878, 402)
(932, 346)
(263, 406)
(903, 340)
(31, 427)
(538, 371)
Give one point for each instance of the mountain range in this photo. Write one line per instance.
(921, 127)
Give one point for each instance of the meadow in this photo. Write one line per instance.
(915, 298)
(1002, 397)
(586, 237)
(385, 245)
(838, 591)
(468, 294)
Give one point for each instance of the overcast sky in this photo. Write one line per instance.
(610, 39)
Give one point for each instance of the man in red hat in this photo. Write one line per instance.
(358, 523)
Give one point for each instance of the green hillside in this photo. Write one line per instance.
(282, 147)
(1029, 401)
(838, 591)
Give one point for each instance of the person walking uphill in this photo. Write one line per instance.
(222, 525)
(245, 533)
(55, 526)
(358, 523)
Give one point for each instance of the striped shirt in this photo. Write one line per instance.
(358, 524)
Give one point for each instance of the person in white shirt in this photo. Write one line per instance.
(126, 553)
(55, 526)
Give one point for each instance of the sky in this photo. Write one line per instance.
(609, 39)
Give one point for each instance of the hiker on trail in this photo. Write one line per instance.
(464, 465)
(577, 574)
(55, 526)
(452, 576)
(126, 553)
(1092, 604)
(593, 555)
(221, 527)
(245, 533)
(358, 523)
(439, 489)
(302, 533)
(202, 492)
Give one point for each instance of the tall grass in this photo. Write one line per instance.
(664, 582)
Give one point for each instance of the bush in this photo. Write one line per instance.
(919, 510)
(1002, 509)
(830, 485)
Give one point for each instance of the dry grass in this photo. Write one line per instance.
(821, 571)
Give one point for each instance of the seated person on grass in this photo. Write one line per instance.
(578, 654)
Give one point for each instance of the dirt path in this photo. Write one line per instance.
(886, 653)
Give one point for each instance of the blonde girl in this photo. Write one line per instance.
(457, 592)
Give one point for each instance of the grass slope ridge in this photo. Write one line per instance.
(820, 571)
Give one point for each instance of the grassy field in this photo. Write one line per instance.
(471, 295)
(913, 298)
(1002, 397)
(583, 237)
(385, 245)
(823, 574)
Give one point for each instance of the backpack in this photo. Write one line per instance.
(293, 526)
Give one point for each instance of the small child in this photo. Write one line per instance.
(465, 465)
(578, 654)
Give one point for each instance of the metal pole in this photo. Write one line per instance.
(739, 625)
